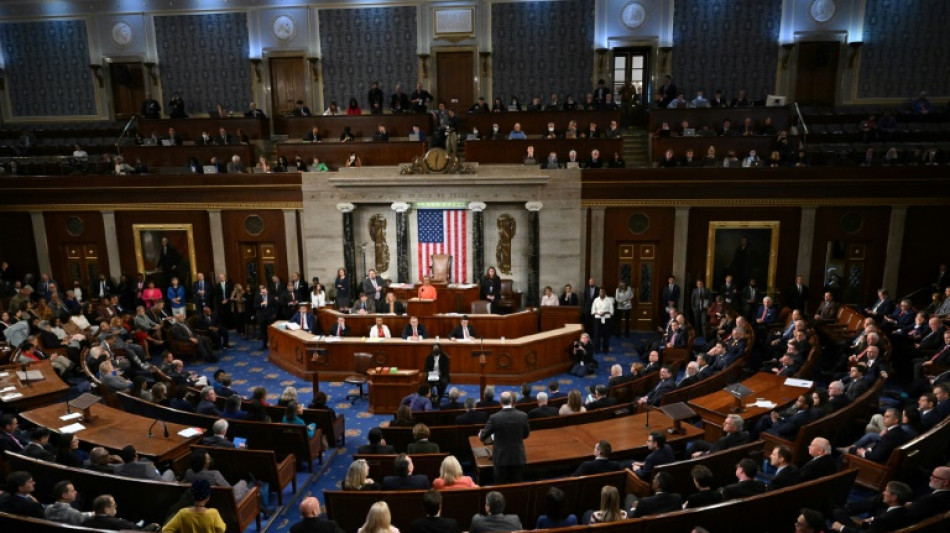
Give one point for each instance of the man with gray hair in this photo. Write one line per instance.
(471, 415)
(733, 436)
(488, 398)
(506, 430)
(822, 463)
(203, 347)
(543, 410)
(600, 398)
(690, 376)
(219, 435)
(206, 406)
(495, 520)
(453, 402)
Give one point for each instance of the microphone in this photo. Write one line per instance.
(164, 425)
(647, 425)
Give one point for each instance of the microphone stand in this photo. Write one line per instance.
(649, 408)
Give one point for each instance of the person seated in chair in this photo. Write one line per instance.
(376, 444)
(463, 331)
(414, 331)
(600, 463)
(660, 454)
(305, 319)
(422, 444)
(663, 500)
(404, 480)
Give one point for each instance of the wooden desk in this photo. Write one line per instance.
(386, 390)
(536, 122)
(371, 153)
(361, 126)
(713, 117)
(713, 408)
(486, 326)
(37, 393)
(114, 429)
(177, 156)
(514, 361)
(568, 447)
(451, 298)
(762, 144)
(191, 128)
(512, 152)
(553, 317)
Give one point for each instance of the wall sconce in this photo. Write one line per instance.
(665, 53)
(424, 62)
(256, 63)
(787, 49)
(150, 68)
(97, 72)
(484, 56)
(314, 67)
(601, 55)
(855, 46)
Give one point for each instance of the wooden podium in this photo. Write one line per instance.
(387, 389)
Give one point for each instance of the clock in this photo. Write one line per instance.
(284, 27)
(436, 160)
(122, 33)
(822, 10)
(633, 15)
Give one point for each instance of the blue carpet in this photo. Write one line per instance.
(248, 365)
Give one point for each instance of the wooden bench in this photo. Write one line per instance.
(140, 498)
(283, 439)
(237, 463)
(349, 508)
(830, 426)
(631, 390)
(381, 465)
(12, 522)
(333, 428)
(680, 356)
(722, 464)
(905, 462)
(935, 524)
(713, 383)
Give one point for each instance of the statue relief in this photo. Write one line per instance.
(377, 231)
(506, 231)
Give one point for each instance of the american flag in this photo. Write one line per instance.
(442, 231)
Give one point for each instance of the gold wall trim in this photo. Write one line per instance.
(185, 206)
(750, 202)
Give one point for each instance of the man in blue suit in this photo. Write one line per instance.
(305, 319)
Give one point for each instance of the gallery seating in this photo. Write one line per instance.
(381, 465)
(722, 464)
(905, 462)
(237, 463)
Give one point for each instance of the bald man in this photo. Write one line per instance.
(821, 463)
(313, 521)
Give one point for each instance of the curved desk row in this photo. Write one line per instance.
(437, 325)
(512, 361)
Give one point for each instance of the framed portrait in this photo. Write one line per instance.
(164, 251)
(745, 250)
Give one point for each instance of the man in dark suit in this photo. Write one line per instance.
(733, 436)
(569, 297)
(665, 385)
(802, 413)
(20, 500)
(414, 330)
(937, 501)
(730, 294)
(495, 520)
(690, 376)
(223, 138)
(404, 480)
(893, 436)
(10, 439)
(437, 365)
(822, 463)
(670, 296)
(201, 292)
(218, 437)
(836, 396)
(265, 307)
(340, 329)
(617, 377)
(827, 309)
(660, 454)
(300, 287)
(102, 288)
(462, 331)
(663, 500)
(507, 430)
(882, 307)
(209, 321)
(376, 444)
(787, 473)
(364, 305)
(543, 410)
(181, 331)
(305, 319)
(374, 288)
(453, 403)
(600, 463)
(747, 484)
(590, 294)
(750, 297)
(221, 297)
(471, 416)
(312, 521)
(796, 296)
(895, 497)
(433, 522)
(600, 398)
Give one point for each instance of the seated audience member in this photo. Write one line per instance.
(821, 463)
(68, 453)
(104, 517)
(403, 417)
(376, 444)
(600, 463)
(556, 511)
(516, 133)
(471, 415)
(488, 399)
(433, 522)
(357, 477)
(312, 521)
(894, 435)
(404, 479)
(660, 454)
(787, 474)
(218, 437)
(663, 499)
(666, 384)
(134, 467)
(573, 405)
(529, 158)
(450, 476)
(422, 444)
(495, 520)
(200, 468)
(893, 516)
(703, 480)
(319, 401)
(610, 510)
(600, 398)
(207, 406)
(39, 446)
(109, 378)
(62, 510)
(595, 161)
(935, 502)
(421, 400)
(616, 161)
(787, 424)
(18, 498)
(197, 517)
(733, 436)
(292, 416)
(453, 395)
(747, 484)
(810, 521)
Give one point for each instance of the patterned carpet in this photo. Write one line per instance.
(248, 365)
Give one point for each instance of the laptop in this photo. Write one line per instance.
(210, 169)
(148, 141)
(240, 442)
(572, 164)
(414, 137)
(166, 142)
(689, 132)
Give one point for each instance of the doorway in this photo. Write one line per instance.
(82, 264)
(288, 82)
(633, 64)
(258, 263)
(128, 88)
(816, 78)
(455, 79)
(845, 268)
(637, 269)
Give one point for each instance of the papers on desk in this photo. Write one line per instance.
(765, 404)
(7, 389)
(292, 326)
(72, 428)
(804, 383)
(190, 432)
(4, 374)
(375, 339)
(11, 396)
(70, 416)
(461, 285)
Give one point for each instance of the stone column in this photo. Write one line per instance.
(304, 270)
(349, 245)
(41, 242)
(402, 241)
(534, 252)
(895, 242)
(112, 244)
(478, 239)
(219, 263)
(680, 238)
(806, 245)
(293, 249)
(596, 235)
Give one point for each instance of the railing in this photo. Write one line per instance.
(803, 134)
(125, 130)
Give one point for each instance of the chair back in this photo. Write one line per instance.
(362, 362)
(481, 307)
(440, 268)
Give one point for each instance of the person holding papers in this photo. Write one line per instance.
(305, 320)
(437, 370)
(463, 332)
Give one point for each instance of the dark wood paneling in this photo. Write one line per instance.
(873, 232)
(17, 246)
(536, 122)
(399, 125)
(57, 236)
(235, 232)
(190, 128)
(789, 219)
(200, 229)
(177, 156)
(617, 232)
(924, 249)
(762, 144)
(334, 154)
(512, 152)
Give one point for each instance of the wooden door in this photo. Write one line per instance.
(455, 81)
(128, 88)
(288, 81)
(633, 64)
(846, 271)
(817, 73)
(82, 264)
(259, 263)
(638, 269)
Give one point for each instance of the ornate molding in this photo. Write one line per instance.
(533, 206)
(192, 206)
(746, 202)
(345, 207)
(400, 207)
(478, 207)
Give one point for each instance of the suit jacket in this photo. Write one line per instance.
(890, 520)
(568, 299)
(606, 401)
(731, 440)
(420, 329)
(883, 307)
(590, 294)
(494, 523)
(201, 301)
(316, 524)
(490, 286)
(422, 446)
(417, 482)
(661, 502)
(217, 295)
(596, 466)
(474, 417)
(820, 466)
(664, 386)
(933, 341)
(542, 411)
(729, 293)
(881, 452)
(657, 457)
(95, 286)
(268, 314)
(217, 440)
(796, 299)
(398, 308)
(770, 314)
(788, 428)
(432, 524)
(509, 427)
(458, 332)
(371, 291)
(334, 331)
(443, 366)
(786, 477)
(856, 388)
(700, 299)
(310, 322)
(827, 310)
(359, 305)
(670, 294)
(381, 449)
(743, 489)
(703, 498)
(181, 332)
(929, 505)
(139, 469)
(688, 380)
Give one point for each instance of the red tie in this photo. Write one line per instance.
(339, 331)
(764, 311)
(414, 332)
(381, 331)
(303, 324)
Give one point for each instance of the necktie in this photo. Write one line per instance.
(938, 354)
(465, 332)
(414, 332)
(303, 322)
(339, 331)
(380, 333)
(764, 311)
(18, 443)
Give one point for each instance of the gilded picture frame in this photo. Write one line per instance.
(754, 257)
(148, 252)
